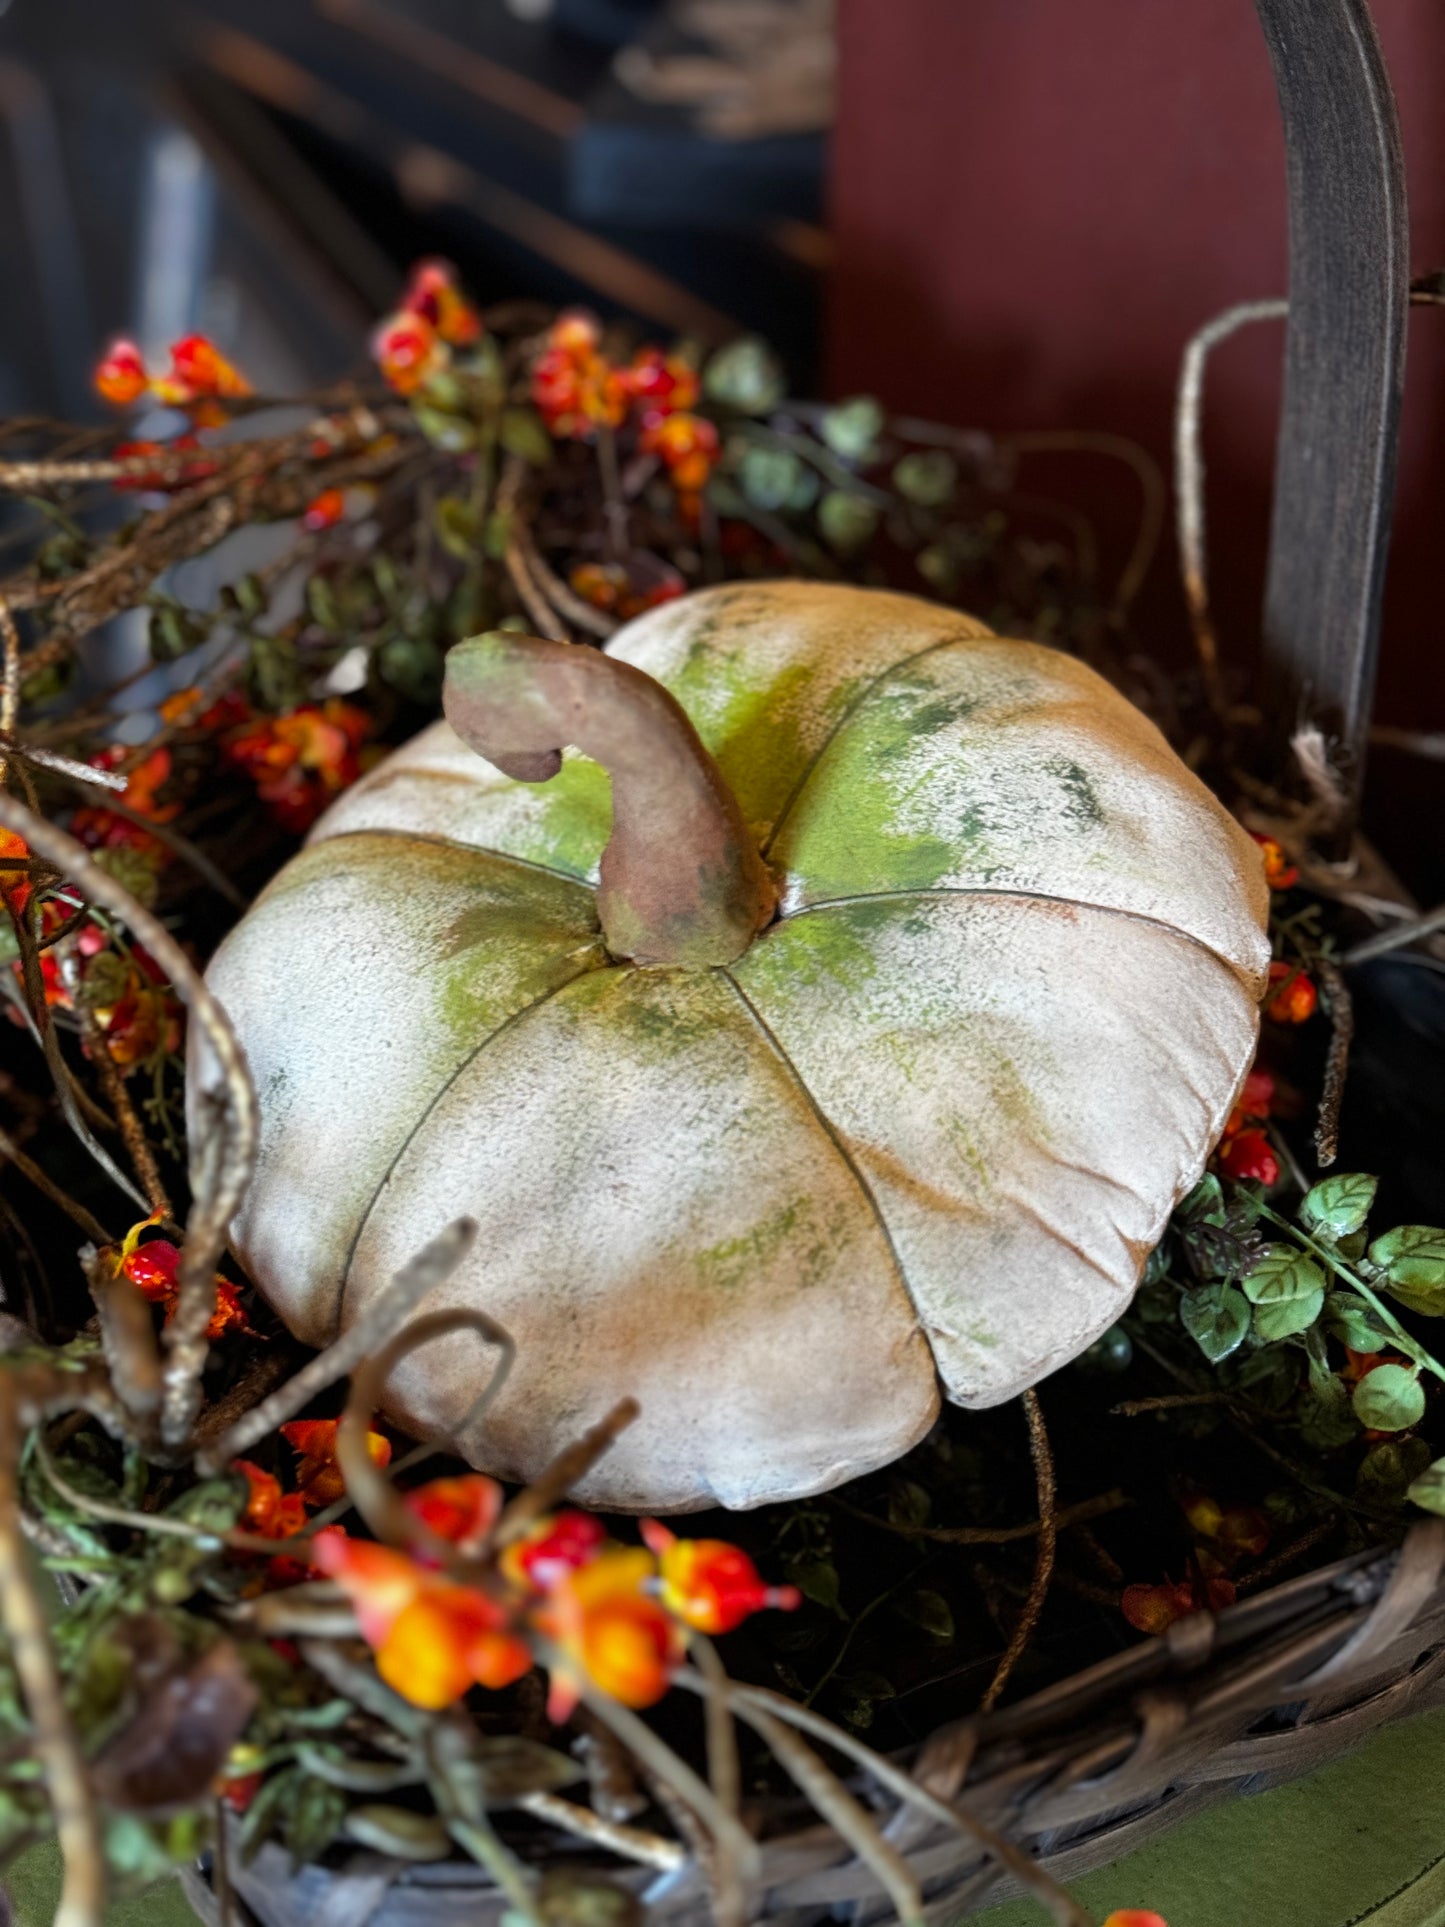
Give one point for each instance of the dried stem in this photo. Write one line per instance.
(1397, 937)
(1044, 1558)
(1189, 479)
(1337, 1061)
(132, 1132)
(850, 1820)
(72, 1803)
(10, 681)
(565, 1471)
(116, 1515)
(1071, 1515)
(367, 1485)
(539, 610)
(224, 1149)
(562, 598)
(433, 1264)
(658, 1760)
(632, 1843)
(730, 1905)
(1151, 489)
(75, 1211)
(128, 1336)
(1061, 1905)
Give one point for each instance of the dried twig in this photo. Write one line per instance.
(1061, 1905)
(72, 1804)
(730, 1900)
(844, 1814)
(632, 1843)
(1397, 937)
(562, 598)
(565, 1471)
(72, 1208)
(539, 609)
(659, 1762)
(128, 1336)
(1189, 479)
(224, 1148)
(1070, 1515)
(97, 1045)
(10, 680)
(367, 1485)
(433, 1264)
(1337, 1061)
(1044, 1558)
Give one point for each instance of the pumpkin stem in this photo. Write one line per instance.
(682, 881)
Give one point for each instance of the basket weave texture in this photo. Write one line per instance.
(1098, 1765)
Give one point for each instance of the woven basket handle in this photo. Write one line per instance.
(1349, 292)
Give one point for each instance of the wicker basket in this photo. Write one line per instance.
(1286, 1681)
(1098, 1765)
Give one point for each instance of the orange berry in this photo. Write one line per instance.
(120, 377)
(1295, 999)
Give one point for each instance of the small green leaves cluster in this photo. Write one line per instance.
(1265, 1298)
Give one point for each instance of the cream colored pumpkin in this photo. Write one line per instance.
(925, 1128)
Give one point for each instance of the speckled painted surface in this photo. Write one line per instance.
(927, 1128)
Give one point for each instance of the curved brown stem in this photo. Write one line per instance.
(682, 881)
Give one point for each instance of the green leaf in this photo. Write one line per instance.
(522, 433)
(1326, 1417)
(453, 434)
(267, 1807)
(1390, 1399)
(776, 478)
(1339, 1205)
(927, 477)
(1389, 1469)
(313, 1819)
(816, 1579)
(413, 666)
(246, 596)
(1286, 1317)
(938, 566)
(1205, 1201)
(931, 1611)
(1216, 1317)
(852, 428)
(457, 525)
(1411, 1263)
(1428, 1491)
(397, 1831)
(1355, 1323)
(1283, 1275)
(847, 522)
(745, 375)
(174, 631)
(908, 1504)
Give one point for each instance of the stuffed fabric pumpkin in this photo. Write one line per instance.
(919, 982)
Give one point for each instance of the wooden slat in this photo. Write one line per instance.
(1344, 368)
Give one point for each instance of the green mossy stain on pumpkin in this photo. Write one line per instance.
(573, 819)
(752, 722)
(859, 822)
(825, 951)
(791, 1227)
(1082, 807)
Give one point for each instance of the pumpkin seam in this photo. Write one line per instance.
(453, 843)
(810, 770)
(471, 1057)
(830, 1131)
(1247, 978)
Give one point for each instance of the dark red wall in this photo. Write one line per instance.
(1037, 201)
